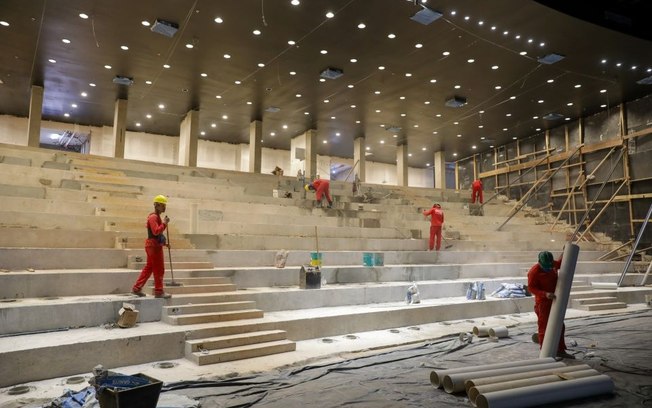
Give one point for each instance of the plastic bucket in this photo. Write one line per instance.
(379, 259)
(315, 259)
(368, 258)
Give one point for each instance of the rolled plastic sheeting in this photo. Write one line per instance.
(499, 332)
(455, 382)
(437, 376)
(473, 392)
(476, 382)
(536, 395)
(481, 331)
(559, 304)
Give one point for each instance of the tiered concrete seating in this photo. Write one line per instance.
(71, 217)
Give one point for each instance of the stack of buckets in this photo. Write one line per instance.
(373, 259)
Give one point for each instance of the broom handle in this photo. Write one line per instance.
(167, 233)
(317, 240)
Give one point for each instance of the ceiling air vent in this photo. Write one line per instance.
(166, 28)
(426, 16)
(456, 102)
(331, 73)
(272, 109)
(393, 128)
(553, 116)
(551, 58)
(121, 80)
(645, 81)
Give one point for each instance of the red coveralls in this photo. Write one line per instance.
(436, 221)
(539, 282)
(477, 191)
(155, 259)
(322, 187)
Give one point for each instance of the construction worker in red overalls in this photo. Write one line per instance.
(541, 282)
(476, 192)
(321, 188)
(154, 249)
(436, 221)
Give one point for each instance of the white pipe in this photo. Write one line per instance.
(536, 395)
(481, 331)
(477, 382)
(437, 376)
(473, 392)
(499, 332)
(455, 382)
(559, 304)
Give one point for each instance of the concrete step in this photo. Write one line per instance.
(222, 287)
(132, 242)
(202, 280)
(235, 340)
(207, 308)
(242, 352)
(594, 301)
(581, 288)
(603, 306)
(213, 317)
(176, 265)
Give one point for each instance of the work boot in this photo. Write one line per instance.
(330, 205)
(163, 295)
(138, 293)
(564, 354)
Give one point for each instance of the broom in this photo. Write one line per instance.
(172, 282)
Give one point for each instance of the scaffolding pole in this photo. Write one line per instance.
(638, 239)
(613, 196)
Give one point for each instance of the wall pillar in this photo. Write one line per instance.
(402, 165)
(359, 157)
(119, 128)
(255, 146)
(189, 139)
(34, 120)
(311, 154)
(439, 166)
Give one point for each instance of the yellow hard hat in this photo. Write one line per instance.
(161, 199)
(307, 187)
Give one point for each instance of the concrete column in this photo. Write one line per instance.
(439, 165)
(311, 154)
(402, 165)
(255, 146)
(34, 121)
(119, 128)
(188, 139)
(359, 157)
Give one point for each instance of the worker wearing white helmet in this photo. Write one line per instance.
(154, 250)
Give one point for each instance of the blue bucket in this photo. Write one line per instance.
(368, 259)
(315, 259)
(379, 259)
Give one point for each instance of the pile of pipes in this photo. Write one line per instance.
(523, 383)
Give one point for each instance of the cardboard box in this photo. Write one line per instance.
(128, 315)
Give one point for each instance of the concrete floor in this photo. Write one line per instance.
(337, 348)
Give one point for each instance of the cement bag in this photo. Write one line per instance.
(280, 258)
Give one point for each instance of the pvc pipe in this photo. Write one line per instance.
(499, 332)
(437, 376)
(477, 382)
(481, 331)
(455, 382)
(559, 304)
(536, 395)
(473, 392)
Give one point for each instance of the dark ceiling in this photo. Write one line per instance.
(507, 93)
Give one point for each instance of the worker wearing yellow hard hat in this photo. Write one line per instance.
(321, 188)
(154, 250)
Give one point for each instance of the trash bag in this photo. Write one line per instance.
(280, 258)
(413, 296)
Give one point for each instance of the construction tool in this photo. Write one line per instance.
(446, 244)
(172, 282)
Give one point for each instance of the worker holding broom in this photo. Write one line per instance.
(322, 189)
(154, 248)
(436, 221)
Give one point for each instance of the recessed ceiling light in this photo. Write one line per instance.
(604, 61)
(538, 129)
(225, 117)
(456, 123)
(432, 81)
(227, 56)
(83, 15)
(633, 67)
(92, 85)
(470, 60)
(457, 86)
(570, 104)
(438, 115)
(52, 60)
(350, 86)
(480, 127)
(619, 64)
(494, 67)
(497, 87)
(323, 52)
(603, 90)
(407, 74)
(505, 32)
(540, 101)
(381, 67)
(418, 45)
(378, 111)
(260, 64)
(161, 106)
(291, 42)
(403, 115)
(603, 106)
(190, 46)
(298, 95)
(550, 81)
(508, 114)
(74, 105)
(446, 53)
(367, 148)
(382, 142)
(416, 126)
(361, 26)
(512, 97)
(322, 80)
(145, 23)
(426, 102)
(203, 74)
(249, 103)
(427, 164)
(391, 35)
(148, 116)
(353, 106)
(467, 18)
(504, 129)
(325, 142)
(218, 20)
(493, 28)
(237, 82)
(542, 44)
(137, 124)
(578, 86)
(203, 133)
(530, 41)
(218, 96)
(474, 147)
(567, 119)
(107, 66)
(66, 115)
(166, 66)
(453, 12)
(377, 92)
(394, 136)
(293, 72)
(330, 14)
(423, 148)
(517, 36)
(353, 60)
(337, 133)
(285, 126)
(326, 101)
(256, 32)
(124, 48)
(535, 117)
(480, 22)
(272, 133)
(409, 154)
(295, 2)
(455, 154)
(65, 41)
